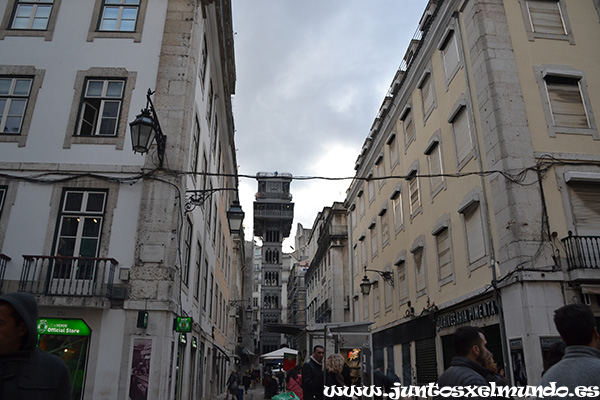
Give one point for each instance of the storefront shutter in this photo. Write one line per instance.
(426, 361)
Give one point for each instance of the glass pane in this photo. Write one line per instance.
(108, 127)
(109, 25)
(24, 11)
(17, 107)
(22, 87)
(111, 109)
(39, 23)
(66, 246)
(43, 11)
(69, 226)
(88, 248)
(115, 89)
(94, 88)
(111, 13)
(91, 227)
(21, 23)
(13, 125)
(5, 86)
(2, 106)
(73, 201)
(95, 202)
(113, 1)
(127, 26)
(132, 1)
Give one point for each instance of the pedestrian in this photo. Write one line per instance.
(233, 383)
(493, 374)
(380, 380)
(294, 382)
(27, 372)
(467, 367)
(246, 379)
(334, 367)
(312, 375)
(270, 384)
(391, 379)
(580, 366)
(280, 378)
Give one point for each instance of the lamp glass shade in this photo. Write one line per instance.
(248, 312)
(365, 286)
(235, 217)
(142, 132)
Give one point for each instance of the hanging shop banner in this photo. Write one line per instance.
(477, 311)
(56, 326)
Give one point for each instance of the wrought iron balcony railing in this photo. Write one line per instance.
(68, 276)
(3, 260)
(582, 251)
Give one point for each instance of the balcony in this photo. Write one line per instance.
(583, 252)
(3, 260)
(68, 276)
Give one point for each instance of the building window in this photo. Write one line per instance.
(450, 54)
(187, 252)
(393, 151)
(3, 190)
(566, 102)
(32, 14)
(408, 126)
(14, 95)
(376, 299)
(371, 188)
(585, 207)
(80, 227)
(461, 131)
(204, 61)
(30, 18)
(355, 259)
(198, 269)
(402, 282)
(427, 94)
(444, 255)
(100, 107)
(100, 110)
(380, 170)
(420, 271)
(434, 160)
(195, 148)
(385, 229)
(363, 251)
(119, 15)
(373, 235)
(397, 208)
(474, 232)
(361, 203)
(546, 19)
(414, 193)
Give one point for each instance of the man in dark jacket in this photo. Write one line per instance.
(312, 375)
(26, 372)
(467, 366)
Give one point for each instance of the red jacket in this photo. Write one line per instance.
(296, 386)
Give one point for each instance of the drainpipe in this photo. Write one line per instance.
(485, 207)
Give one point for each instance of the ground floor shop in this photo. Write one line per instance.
(517, 322)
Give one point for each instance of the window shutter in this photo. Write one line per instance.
(435, 167)
(409, 127)
(450, 53)
(444, 254)
(475, 238)
(586, 207)
(413, 186)
(462, 135)
(545, 17)
(420, 271)
(566, 102)
(427, 94)
(402, 292)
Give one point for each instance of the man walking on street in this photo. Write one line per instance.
(26, 372)
(312, 375)
(580, 366)
(467, 366)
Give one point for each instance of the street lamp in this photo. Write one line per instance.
(144, 128)
(240, 302)
(365, 284)
(235, 216)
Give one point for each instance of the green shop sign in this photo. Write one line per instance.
(56, 326)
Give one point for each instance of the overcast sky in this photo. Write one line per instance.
(311, 76)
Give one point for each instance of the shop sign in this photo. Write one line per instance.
(56, 326)
(477, 311)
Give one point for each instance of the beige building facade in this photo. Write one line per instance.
(475, 188)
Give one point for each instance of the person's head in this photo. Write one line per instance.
(470, 342)
(18, 322)
(335, 363)
(292, 374)
(576, 325)
(318, 353)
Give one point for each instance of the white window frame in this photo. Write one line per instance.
(95, 30)
(448, 46)
(426, 85)
(384, 221)
(398, 211)
(374, 240)
(420, 266)
(408, 126)
(472, 217)
(415, 200)
(401, 278)
(435, 163)
(394, 154)
(7, 27)
(445, 254)
(98, 112)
